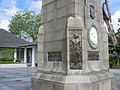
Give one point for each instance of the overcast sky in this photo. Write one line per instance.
(8, 8)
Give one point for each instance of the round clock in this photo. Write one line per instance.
(93, 37)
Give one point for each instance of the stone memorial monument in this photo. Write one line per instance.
(73, 47)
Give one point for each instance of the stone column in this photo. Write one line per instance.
(25, 55)
(15, 55)
(33, 57)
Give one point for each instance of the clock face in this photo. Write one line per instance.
(93, 37)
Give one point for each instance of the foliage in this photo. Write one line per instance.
(117, 48)
(110, 40)
(113, 61)
(8, 61)
(25, 24)
(6, 53)
(118, 35)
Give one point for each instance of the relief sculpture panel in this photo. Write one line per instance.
(75, 49)
(93, 55)
(55, 56)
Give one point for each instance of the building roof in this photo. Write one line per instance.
(8, 40)
(34, 43)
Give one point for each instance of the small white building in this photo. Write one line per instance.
(25, 51)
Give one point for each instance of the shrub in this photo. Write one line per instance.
(8, 61)
(113, 61)
(6, 53)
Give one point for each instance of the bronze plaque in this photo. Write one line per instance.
(75, 49)
(54, 56)
(93, 55)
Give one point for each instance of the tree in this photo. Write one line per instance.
(25, 24)
(117, 47)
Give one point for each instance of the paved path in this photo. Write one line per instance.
(117, 74)
(16, 79)
(19, 78)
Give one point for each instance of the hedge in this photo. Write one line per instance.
(8, 61)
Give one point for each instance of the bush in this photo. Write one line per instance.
(8, 61)
(113, 61)
(6, 53)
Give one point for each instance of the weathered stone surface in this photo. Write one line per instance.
(101, 81)
(66, 27)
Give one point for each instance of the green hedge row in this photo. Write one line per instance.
(8, 61)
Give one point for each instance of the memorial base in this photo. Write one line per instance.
(103, 80)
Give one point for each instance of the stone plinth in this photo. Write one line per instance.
(92, 81)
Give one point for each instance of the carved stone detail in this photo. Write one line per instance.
(93, 55)
(75, 49)
(92, 11)
(55, 56)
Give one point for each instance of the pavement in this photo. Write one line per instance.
(116, 72)
(16, 78)
(20, 78)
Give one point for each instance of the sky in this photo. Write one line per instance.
(8, 8)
